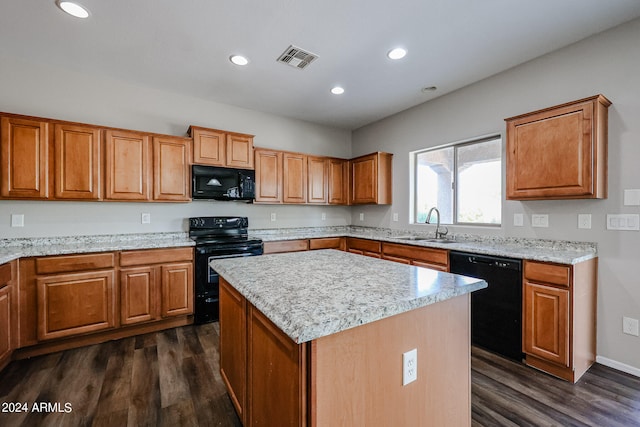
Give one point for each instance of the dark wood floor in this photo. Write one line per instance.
(172, 378)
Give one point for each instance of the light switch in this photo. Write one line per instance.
(540, 220)
(624, 222)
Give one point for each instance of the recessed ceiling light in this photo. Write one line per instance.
(429, 89)
(337, 90)
(73, 9)
(238, 60)
(397, 53)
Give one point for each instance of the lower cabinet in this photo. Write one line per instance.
(559, 332)
(264, 371)
(156, 283)
(7, 313)
(364, 247)
(434, 258)
(73, 300)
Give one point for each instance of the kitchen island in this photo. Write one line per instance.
(317, 338)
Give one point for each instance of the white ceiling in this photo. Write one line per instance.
(183, 46)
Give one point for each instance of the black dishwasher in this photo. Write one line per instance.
(496, 311)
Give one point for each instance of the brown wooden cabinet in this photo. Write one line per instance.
(171, 169)
(268, 165)
(317, 180)
(233, 346)
(339, 243)
(371, 179)
(366, 247)
(286, 246)
(75, 303)
(559, 152)
(215, 147)
(264, 371)
(24, 158)
(559, 327)
(338, 182)
(434, 258)
(127, 165)
(155, 283)
(294, 177)
(77, 162)
(8, 313)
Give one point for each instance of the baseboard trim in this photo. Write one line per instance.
(618, 365)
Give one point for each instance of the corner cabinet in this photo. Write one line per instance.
(371, 179)
(559, 152)
(559, 335)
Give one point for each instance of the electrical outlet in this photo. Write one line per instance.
(630, 326)
(17, 220)
(324, 216)
(518, 220)
(146, 218)
(273, 216)
(584, 221)
(395, 217)
(361, 216)
(540, 220)
(409, 366)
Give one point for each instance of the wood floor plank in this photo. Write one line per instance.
(172, 378)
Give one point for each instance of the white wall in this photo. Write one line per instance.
(608, 63)
(43, 91)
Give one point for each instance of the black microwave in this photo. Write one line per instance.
(216, 183)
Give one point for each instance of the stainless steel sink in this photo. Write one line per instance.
(412, 238)
(439, 240)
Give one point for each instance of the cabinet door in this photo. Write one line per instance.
(338, 182)
(239, 151)
(317, 179)
(209, 146)
(171, 169)
(559, 152)
(75, 303)
(77, 162)
(276, 375)
(268, 176)
(24, 158)
(233, 345)
(139, 296)
(364, 180)
(177, 289)
(546, 322)
(294, 178)
(127, 169)
(5, 324)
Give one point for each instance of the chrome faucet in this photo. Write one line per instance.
(439, 234)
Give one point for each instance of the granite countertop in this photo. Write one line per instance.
(11, 249)
(559, 251)
(313, 294)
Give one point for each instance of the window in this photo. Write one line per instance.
(464, 181)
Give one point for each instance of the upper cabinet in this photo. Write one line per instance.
(220, 148)
(171, 161)
(371, 179)
(77, 162)
(559, 152)
(24, 163)
(127, 165)
(294, 178)
(338, 182)
(268, 176)
(317, 179)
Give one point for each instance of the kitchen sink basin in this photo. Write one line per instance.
(424, 239)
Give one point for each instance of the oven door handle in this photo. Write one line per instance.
(230, 256)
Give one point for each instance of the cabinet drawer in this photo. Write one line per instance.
(5, 274)
(547, 273)
(429, 255)
(155, 256)
(286, 246)
(60, 264)
(363, 244)
(327, 243)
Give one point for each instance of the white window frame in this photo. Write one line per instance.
(413, 171)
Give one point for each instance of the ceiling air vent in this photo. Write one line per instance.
(297, 57)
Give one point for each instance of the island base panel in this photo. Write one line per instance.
(356, 375)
